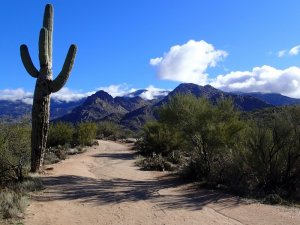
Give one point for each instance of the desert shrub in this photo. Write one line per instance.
(80, 149)
(14, 151)
(61, 153)
(126, 133)
(273, 199)
(30, 184)
(272, 155)
(108, 130)
(15, 182)
(159, 139)
(50, 157)
(85, 133)
(14, 196)
(111, 130)
(74, 151)
(56, 154)
(215, 146)
(155, 162)
(210, 131)
(60, 134)
(12, 204)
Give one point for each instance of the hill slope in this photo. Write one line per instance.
(274, 98)
(101, 105)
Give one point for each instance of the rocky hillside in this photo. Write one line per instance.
(133, 112)
(102, 106)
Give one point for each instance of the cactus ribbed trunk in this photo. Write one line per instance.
(44, 87)
(40, 124)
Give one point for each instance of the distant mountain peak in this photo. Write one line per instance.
(194, 89)
(99, 95)
(246, 103)
(102, 94)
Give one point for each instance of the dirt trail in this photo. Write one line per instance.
(102, 186)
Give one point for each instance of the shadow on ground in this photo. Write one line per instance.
(167, 191)
(122, 156)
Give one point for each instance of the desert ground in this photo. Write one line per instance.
(103, 186)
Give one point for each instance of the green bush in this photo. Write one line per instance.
(108, 130)
(60, 134)
(159, 139)
(15, 182)
(85, 133)
(210, 132)
(272, 155)
(14, 151)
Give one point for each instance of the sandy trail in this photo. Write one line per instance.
(102, 186)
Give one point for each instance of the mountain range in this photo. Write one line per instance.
(11, 111)
(132, 110)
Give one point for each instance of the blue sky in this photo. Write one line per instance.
(251, 45)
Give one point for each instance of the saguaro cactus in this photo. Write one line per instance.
(44, 86)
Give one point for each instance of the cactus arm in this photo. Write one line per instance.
(43, 48)
(27, 62)
(63, 76)
(48, 24)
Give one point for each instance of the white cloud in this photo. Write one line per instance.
(262, 79)
(68, 95)
(117, 90)
(123, 89)
(28, 101)
(153, 92)
(18, 94)
(281, 53)
(156, 61)
(295, 50)
(64, 95)
(292, 52)
(188, 62)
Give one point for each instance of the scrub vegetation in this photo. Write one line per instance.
(253, 154)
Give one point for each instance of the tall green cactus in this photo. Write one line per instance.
(44, 86)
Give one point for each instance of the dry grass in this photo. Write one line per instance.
(14, 198)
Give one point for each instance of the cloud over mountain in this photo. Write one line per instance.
(68, 95)
(117, 89)
(64, 95)
(153, 92)
(262, 79)
(16, 94)
(188, 62)
(148, 93)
